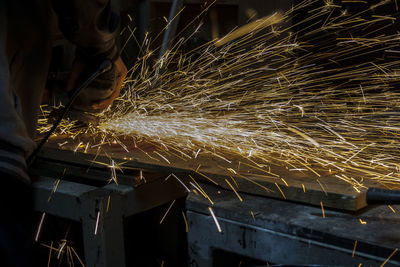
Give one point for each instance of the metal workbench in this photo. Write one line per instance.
(255, 231)
(283, 232)
(85, 195)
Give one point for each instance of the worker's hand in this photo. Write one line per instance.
(107, 84)
(121, 72)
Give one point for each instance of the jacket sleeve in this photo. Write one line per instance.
(92, 25)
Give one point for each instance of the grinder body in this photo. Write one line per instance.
(99, 89)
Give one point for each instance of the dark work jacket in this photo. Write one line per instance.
(91, 24)
(26, 30)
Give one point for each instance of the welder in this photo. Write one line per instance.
(26, 28)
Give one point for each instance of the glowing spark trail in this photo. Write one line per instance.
(215, 219)
(388, 258)
(165, 215)
(317, 95)
(40, 226)
(354, 249)
(186, 223)
(97, 223)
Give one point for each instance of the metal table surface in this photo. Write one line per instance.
(290, 233)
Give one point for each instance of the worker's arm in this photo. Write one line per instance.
(93, 26)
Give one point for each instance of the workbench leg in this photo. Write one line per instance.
(103, 229)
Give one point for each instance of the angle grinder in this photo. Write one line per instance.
(81, 110)
(105, 69)
(99, 89)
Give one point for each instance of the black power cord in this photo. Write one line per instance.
(105, 66)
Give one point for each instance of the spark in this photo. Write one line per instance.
(179, 180)
(186, 223)
(362, 92)
(252, 215)
(61, 248)
(97, 223)
(231, 170)
(51, 249)
(284, 181)
(200, 189)
(165, 214)
(322, 209)
(205, 176)
(312, 141)
(354, 249)
(354, 1)
(40, 226)
(108, 203)
(234, 181)
(78, 146)
(215, 219)
(269, 97)
(198, 168)
(141, 177)
(322, 187)
(391, 208)
(76, 255)
(164, 158)
(355, 154)
(257, 184)
(236, 193)
(56, 183)
(62, 144)
(113, 172)
(280, 190)
(197, 153)
(388, 258)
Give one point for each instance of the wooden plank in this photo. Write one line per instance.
(276, 182)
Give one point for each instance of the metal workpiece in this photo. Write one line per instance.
(101, 211)
(282, 232)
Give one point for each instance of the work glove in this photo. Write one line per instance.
(102, 91)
